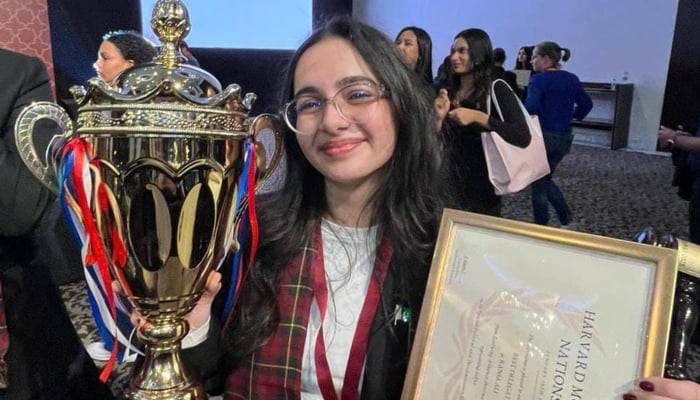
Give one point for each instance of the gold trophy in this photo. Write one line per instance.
(166, 160)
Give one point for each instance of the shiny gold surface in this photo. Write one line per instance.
(168, 143)
(689, 258)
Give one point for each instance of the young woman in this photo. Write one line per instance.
(556, 97)
(347, 243)
(416, 48)
(119, 51)
(523, 61)
(462, 116)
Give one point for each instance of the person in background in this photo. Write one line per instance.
(416, 49)
(499, 58)
(524, 59)
(119, 51)
(461, 109)
(523, 69)
(187, 53)
(46, 359)
(443, 78)
(686, 158)
(556, 97)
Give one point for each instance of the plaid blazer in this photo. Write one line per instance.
(274, 371)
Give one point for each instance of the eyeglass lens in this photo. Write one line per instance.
(354, 103)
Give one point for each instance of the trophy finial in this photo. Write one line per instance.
(171, 23)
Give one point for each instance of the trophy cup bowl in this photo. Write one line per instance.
(167, 159)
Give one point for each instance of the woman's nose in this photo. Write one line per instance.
(332, 118)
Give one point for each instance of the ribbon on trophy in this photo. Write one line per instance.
(247, 231)
(80, 191)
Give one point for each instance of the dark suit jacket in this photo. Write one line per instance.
(46, 359)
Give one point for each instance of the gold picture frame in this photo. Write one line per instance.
(514, 310)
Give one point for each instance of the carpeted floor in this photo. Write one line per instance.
(611, 193)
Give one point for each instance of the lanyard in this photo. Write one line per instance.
(358, 349)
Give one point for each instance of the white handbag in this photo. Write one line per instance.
(512, 168)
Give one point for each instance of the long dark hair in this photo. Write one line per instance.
(527, 64)
(481, 56)
(406, 206)
(424, 65)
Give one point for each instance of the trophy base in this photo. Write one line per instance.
(192, 392)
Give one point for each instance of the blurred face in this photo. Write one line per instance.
(540, 63)
(459, 58)
(407, 44)
(522, 56)
(347, 154)
(110, 63)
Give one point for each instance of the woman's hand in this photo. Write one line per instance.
(668, 136)
(656, 388)
(201, 312)
(467, 116)
(441, 107)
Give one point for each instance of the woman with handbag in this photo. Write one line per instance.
(556, 97)
(461, 110)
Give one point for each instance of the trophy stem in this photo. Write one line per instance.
(162, 374)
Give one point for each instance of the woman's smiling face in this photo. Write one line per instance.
(345, 153)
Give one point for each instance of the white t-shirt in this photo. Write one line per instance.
(348, 257)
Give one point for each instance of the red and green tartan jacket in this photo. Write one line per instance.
(274, 371)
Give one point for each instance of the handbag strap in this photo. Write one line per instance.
(494, 98)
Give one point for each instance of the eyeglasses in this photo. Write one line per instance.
(354, 103)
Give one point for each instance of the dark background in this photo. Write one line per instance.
(682, 96)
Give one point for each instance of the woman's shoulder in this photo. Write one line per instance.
(554, 76)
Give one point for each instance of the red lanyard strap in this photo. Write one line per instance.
(358, 349)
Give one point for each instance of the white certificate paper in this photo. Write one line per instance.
(528, 318)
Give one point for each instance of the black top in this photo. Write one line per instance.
(465, 151)
(46, 359)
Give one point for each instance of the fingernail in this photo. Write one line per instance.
(629, 397)
(646, 386)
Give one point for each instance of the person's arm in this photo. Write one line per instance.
(441, 107)
(676, 139)
(206, 359)
(582, 102)
(653, 388)
(23, 198)
(513, 127)
(533, 101)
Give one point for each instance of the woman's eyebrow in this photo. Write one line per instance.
(339, 84)
(354, 79)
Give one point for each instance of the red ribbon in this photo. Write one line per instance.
(96, 252)
(358, 349)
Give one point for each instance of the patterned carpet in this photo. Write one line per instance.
(611, 193)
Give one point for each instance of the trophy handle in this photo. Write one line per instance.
(259, 124)
(43, 169)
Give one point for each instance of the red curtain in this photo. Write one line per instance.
(24, 28)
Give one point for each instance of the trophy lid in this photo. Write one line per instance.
(166, 96)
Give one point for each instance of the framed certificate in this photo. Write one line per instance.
(521, 311)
